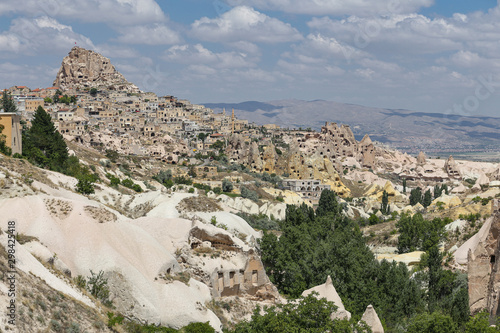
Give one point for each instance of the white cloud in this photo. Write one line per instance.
(244, 24)
(118, 12)
(337, 7)
(155, 34)
(114, 51)
(399, 34)
(34, 76)
(42, 35)
(197, 54)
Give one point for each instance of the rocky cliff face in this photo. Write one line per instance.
(82, 69)
(483, 270)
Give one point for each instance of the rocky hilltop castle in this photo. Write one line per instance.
(84, 69)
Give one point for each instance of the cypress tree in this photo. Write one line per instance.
(385, 203)
(427, 198)
(8, 104)
(43, 144)
(415, 196)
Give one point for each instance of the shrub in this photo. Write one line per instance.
(85, 185)
(183, 180)
(199, 328)
(115, 181)
(227, 185)
(249, 194)
(191, 190)
(97, 285)
(137, 188)
(80, 281)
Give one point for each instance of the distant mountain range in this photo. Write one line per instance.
(406, 130)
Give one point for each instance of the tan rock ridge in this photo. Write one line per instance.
(85, 69)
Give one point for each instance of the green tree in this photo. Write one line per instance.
(218, 145)
(415, 196)
(432, 323)
(427, 200)
(416, 233)
(384, 208)
(202, 136)
(404, 185)
(480, 324)
(8, 104)
(43, 144)
(311, 247)
(227, 185)
(93, 92)
(438, 191)
(4, 149)
(309, 314)
(85, 184)
(328, 204)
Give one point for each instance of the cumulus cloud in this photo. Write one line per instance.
(155, 34)
(36, 76)
(119, 12)
(199, 55)
(337, 7)
(42, 35)
(243, 23)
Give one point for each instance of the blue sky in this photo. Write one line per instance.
(423, 55)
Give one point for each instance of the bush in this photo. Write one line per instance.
(261, 222)
(115, 181)
(97, 285)
(183, 180)
(249, 194)
(191, 190)
(85, 185)
(80, 281)
(217, 190)
(112, 155)
(227, 185)
(199, 328)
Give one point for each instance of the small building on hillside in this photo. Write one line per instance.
(11, 123)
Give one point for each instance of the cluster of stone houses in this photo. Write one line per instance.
(143, 120)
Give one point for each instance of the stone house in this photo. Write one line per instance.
(11, 123)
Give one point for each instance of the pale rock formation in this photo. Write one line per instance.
(371, 318)
(409, 259)
(327, 290)
(421, 158)
(448, 201)
(451, 168)
(483, 270)
(84, 69)
(459, 189)
(482, 180)
(367, 152)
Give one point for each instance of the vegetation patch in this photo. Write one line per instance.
(101, 215)
(198, 204)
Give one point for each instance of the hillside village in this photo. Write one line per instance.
(182, 243)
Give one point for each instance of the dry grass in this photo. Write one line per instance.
(198, 204)
(101, 215)
(58, 208)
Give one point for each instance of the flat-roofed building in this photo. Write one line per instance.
(11, 123)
